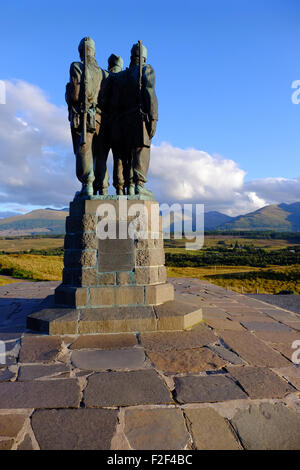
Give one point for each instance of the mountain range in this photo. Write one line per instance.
(278, 217)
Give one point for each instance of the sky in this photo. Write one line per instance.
(228, 133)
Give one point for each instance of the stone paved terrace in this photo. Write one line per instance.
(228, 383)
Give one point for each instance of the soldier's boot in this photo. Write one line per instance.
(140, 189)
(131, 190)
(87, 190)
(103, 192)
(95, 190)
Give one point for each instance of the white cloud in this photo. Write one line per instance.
(37, 165)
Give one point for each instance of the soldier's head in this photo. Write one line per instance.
(135, 54)
(115, 63)
(90, 50)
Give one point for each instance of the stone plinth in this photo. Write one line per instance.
(113, 272)
(113, 282)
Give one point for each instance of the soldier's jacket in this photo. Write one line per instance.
(130, 111)
(75, 90)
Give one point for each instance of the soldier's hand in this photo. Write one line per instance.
(152, 128)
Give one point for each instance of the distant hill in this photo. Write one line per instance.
(213, 219)
(40, 221)
(279, 217)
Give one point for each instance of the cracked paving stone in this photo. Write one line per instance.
(188, 360)
(133, 358)
(210, 431)
(81, 429)
(207, 389)
(260, 382)
(138, 387)
(179, 340)
(30, 372)
(39, 349)
(54, 393)
(253, 350)
(161, 429)
(224, 324)
(105, 341)
(268, 427)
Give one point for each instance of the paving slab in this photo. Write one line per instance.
(260, 382)
(81, 429)
(253, 350)
(210, 431)
(268, 427)
(187, 360)
(293, 324)
(284, 349)
(36, 371)
(225, 354)
(11, 424)
(39, 348)
(26, 444)
(6, 375)
(6, 444)
(104, 341)
(156, 429)
(207, 389)
(289, 302)
(225, 324)
(265, 326)
(178, 340)
(292, 374)
(286, 337)
(138, 387)
(133, 358)
(59, 393)
(214, 313)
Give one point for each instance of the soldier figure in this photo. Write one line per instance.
(110, 128)
(135, 98)
(85, 116)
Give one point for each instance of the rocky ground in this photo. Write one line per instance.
(228, 383)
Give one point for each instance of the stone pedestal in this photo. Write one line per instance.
(116, 283)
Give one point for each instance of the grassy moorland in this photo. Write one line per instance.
(264, 262)
(269, 280)
(32, 267)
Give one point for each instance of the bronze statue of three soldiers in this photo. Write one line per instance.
(115, 109)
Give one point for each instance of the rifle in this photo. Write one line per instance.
(85, 99)
(140, 72)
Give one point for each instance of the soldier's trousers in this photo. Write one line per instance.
(140, 158)
(100, 164)
(84, 157)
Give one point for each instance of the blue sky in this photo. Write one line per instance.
(224, 69)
